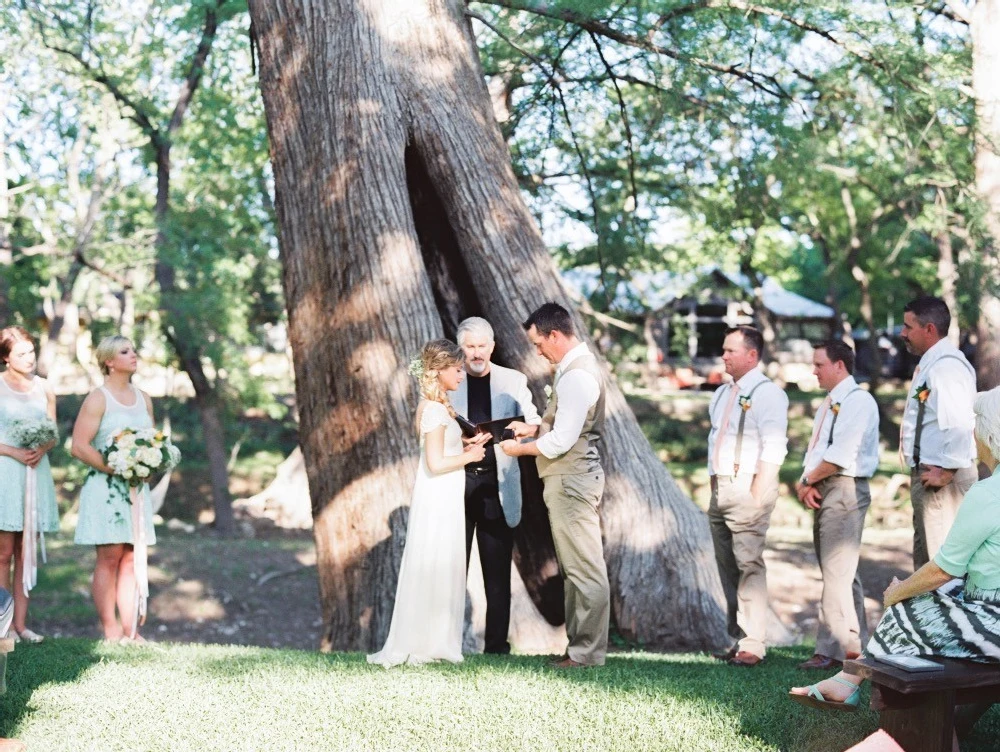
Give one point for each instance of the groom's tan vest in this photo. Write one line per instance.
(583, 455)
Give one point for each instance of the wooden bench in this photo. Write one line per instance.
(917, 709)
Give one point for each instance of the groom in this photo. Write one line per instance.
(570, 467)
(492, 486)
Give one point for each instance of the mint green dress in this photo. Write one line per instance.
(15, 406)
(105, 514)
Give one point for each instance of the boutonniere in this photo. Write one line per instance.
(835, 408)
(745, 402)
(921, 393)
(548, 391)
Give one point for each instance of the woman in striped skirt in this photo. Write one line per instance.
(950, 607)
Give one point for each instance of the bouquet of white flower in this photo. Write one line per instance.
(30, 434)
(135, 455)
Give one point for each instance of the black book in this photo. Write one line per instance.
(498, 428)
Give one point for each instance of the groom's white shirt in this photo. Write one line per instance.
(509, 396)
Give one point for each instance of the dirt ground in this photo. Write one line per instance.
(263, 591)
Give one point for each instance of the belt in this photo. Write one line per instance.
(479, 470)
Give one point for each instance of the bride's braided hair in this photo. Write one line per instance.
(434, 357)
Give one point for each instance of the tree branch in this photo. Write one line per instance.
(625, 119)
(196, 69)
(764, 82)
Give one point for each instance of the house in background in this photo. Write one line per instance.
(685, 319)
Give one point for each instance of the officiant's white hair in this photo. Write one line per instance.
(474, 325)
(987, 409)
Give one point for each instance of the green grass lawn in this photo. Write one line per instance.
(81, 695)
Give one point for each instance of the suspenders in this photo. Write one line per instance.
(739, 430)
(922, 408)
(833, 423)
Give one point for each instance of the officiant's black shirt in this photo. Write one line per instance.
(480, 411)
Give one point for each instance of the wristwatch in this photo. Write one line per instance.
(804, 481)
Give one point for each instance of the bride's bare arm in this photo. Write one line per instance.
(437, 462)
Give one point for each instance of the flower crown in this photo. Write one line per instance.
(416, 368)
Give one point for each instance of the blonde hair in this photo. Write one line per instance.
(107, 349)
(987, 409)
(434, 357)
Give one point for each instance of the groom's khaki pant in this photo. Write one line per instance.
(572, 501)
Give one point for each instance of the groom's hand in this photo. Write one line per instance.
(511, 447)
(521, 430)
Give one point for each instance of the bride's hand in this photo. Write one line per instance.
(474, 453)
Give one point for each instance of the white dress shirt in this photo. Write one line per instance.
(765, 433)
(577, 391)
(946, 440)
(855, 432)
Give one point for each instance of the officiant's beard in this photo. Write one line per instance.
(476, 368)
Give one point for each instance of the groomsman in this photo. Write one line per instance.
(936, 439)
(841, 457)
(746, 447)
(493, 485)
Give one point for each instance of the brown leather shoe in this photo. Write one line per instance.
(728, 655)
(743, 658)
(569, 663)
(821, 662)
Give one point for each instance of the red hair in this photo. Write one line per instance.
(10, 337)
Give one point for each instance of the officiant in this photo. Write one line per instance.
(492, 486)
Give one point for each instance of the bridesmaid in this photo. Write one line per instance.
(105, 514)
(23, 396)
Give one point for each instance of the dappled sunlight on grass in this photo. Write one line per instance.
(83, 695)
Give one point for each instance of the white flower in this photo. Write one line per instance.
(125, 442)
(142, 471)
(174, 455)
(149, 456)
(127, 474)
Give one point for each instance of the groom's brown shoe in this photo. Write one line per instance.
(569, 663)
(728, 655)
(743, 658)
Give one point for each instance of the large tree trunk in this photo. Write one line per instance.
(399, 214)
(985, 30)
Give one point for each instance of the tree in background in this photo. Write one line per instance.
(209, 215)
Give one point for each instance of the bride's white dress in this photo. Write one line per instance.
(428, 614)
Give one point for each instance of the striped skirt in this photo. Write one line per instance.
(950, 622)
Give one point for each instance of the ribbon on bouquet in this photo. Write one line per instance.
(139, 498)
(31, 536)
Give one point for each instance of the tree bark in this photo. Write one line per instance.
(984, 27)
(947, 272)
(399, 214)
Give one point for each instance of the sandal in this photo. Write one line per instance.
(814, 698)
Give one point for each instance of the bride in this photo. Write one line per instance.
(429, 610)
